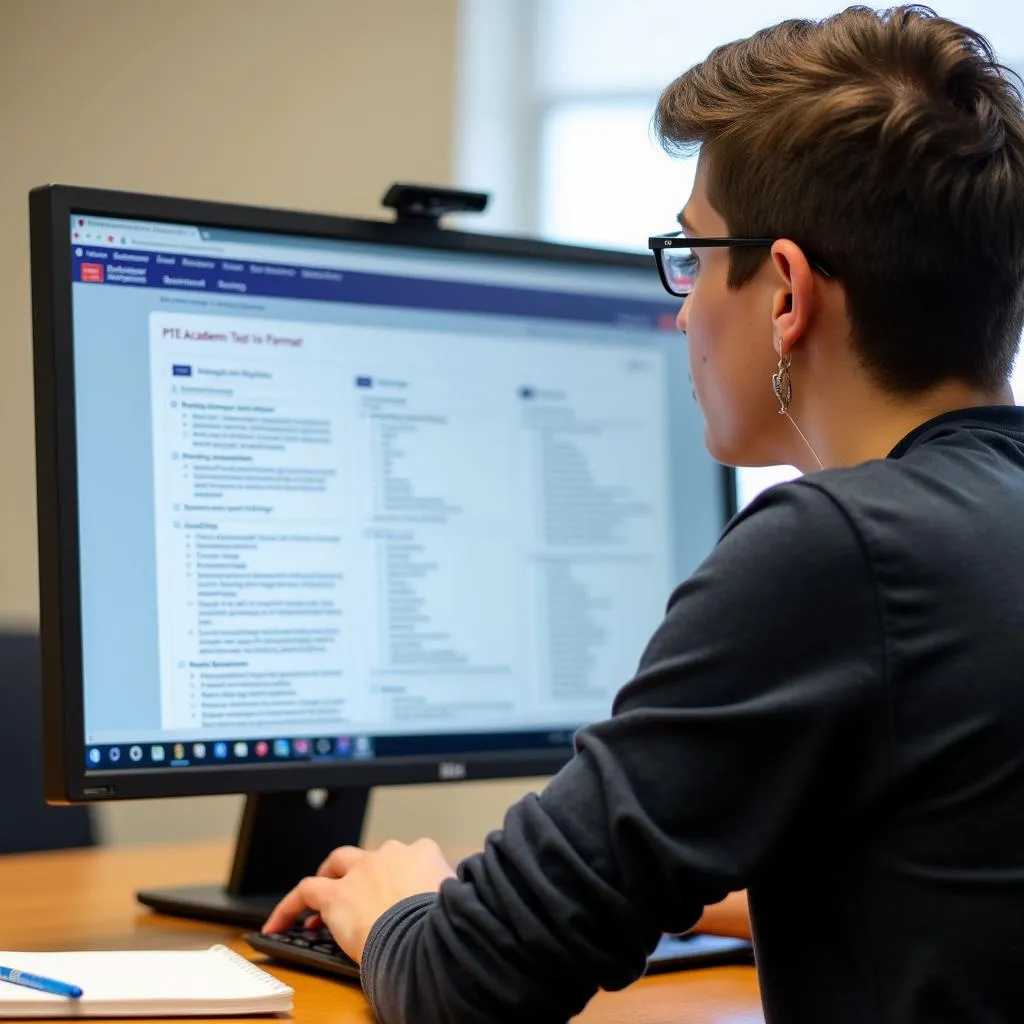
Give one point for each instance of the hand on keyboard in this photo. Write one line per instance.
(354, 887)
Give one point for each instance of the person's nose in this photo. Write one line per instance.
(681, 316)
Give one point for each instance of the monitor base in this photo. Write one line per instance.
(282, 838)
(210, 903)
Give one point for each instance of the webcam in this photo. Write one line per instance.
(427, 204)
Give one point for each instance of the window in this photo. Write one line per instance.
(556, 101)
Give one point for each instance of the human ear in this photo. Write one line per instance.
(793, 299)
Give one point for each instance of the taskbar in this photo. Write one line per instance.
(107, 757)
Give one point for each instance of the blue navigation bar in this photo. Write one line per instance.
(100, 265)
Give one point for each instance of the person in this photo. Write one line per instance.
(831, 715)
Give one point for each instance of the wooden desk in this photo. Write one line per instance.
(85, 900)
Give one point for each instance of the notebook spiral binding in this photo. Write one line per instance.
(257, 972)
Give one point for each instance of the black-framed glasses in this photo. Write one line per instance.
(678, 263)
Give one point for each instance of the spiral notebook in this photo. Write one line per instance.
(214, 982)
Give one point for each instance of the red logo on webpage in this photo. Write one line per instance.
(92, 272)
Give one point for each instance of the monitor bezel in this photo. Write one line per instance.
(66, 778)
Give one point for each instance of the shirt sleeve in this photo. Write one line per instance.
(757, 717)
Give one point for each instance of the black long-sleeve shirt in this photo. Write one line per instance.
(832, 717)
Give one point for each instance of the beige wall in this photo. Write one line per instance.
(317, 104)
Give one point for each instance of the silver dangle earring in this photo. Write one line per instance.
(782, 384)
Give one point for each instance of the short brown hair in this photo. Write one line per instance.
(891, 145)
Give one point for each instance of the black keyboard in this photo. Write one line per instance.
(315, 950)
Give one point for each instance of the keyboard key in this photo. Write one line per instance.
(300, 948)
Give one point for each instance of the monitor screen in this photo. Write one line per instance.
(345, 501)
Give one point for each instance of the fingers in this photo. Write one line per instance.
(340, 861)
(309, 894)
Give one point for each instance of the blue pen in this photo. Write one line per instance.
(54, 988)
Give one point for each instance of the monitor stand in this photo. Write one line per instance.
(282, 838)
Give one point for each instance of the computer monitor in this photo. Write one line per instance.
(327, 504)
